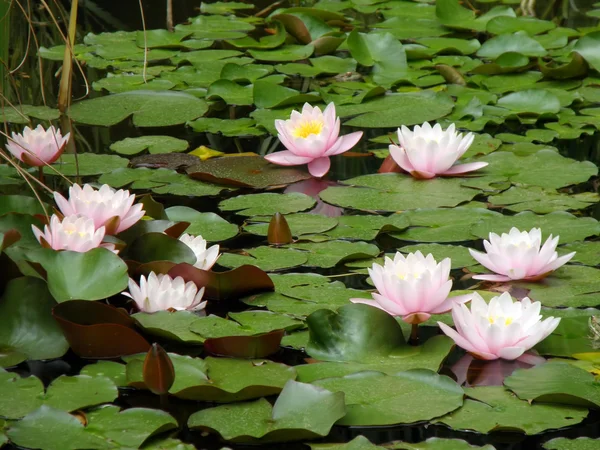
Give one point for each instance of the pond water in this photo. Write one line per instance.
(522, 77)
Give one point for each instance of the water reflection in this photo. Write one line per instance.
(312, 187)
(472, 372)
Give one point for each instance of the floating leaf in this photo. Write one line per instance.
(87, 164)
(27, 330)
(374, 398)
(248, 171)
(492, 408)
(531, 101)
(96, 330)
(330, 253)
(519, 42)
(285, 53)
(302, 411)
(556, 382)
(582, 443)
(508, 24)
(152, 247)
(154, 144)
(266, 258)
(267, 203)
(236, 127)
(299, 223)
(587, 46)
(209, 225)
(147, 108)
(541, 201)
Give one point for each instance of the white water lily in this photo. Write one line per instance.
(517, 256)
(75, 233)
(413, 287)
(501, 329)
(428, 151)
(37, 147)
(112, 209)
(161, 292)
(205, 258)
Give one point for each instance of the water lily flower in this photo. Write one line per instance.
(311, 137)
(501, 329)
(205, 258)
(518, 256)
(75, 232)
(161, 292)
(112, 209)
(413, 287)
(429, 151)
(472, 372)
(37, 147)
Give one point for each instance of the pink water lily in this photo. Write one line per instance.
(161, 292)
(76, 233)
(426, 151)
(413, 287)
(311, 137)
(517, 255)
(501, 329)
(113, 209)
(37, 147)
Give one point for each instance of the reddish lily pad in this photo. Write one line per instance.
(246, 171)
(96, 330)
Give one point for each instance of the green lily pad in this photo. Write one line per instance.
(574, 286)
(507, 24)
(373, 398)
(451, 14)
(87, 164)
(270, 95)
(366, 227)
(210, 226)
(267, 204)
(285, 53)
(237, 127)
(154, 144)
(93, 275)
(266, 258)
(247, 323)
(230, 92)
(330, 253)
(147, 108)
(170, 325)
(302, 411)
(531, 101)
(541, 201)
(587, 46)
(355, 332)
(21, 396)
(109, 369)
(396, 192)
(518, 42)
(569, 227)
(394, 110)
(222, 380)
(52, 429)
(588, 253)
(443, 224)
(124, 83)
(556, 382)
(22, 113)
(582, 443)
(492, 408)
(27, 329)
(300, 224)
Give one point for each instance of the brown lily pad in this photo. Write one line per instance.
(257, 346)
(96, 330)
(225, 286)
(174, 161)
(246, 171)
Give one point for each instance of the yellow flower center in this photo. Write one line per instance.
(507, 320)
(307, 128)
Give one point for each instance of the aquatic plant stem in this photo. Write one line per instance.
(414, 335)
(41, 173)
(170, 15)
(64, 91)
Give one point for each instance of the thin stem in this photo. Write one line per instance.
(414, 335)
(170, 15)
(41, 174)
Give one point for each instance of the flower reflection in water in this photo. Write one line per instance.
(312, 187)
(471, 372)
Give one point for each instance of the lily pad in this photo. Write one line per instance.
(87, 164)
(27, 330)
(492, 408)
(302, 411)
(588, 253)
(556, 382)
(266, 258)
(236, 127)
(563, 224)
(540, 200)
(154, 144)
(210, 226)
(373, 398)
(397, 192)
(582, 443)
(330, 253)
(300, 223)
(247, 171)
(147, 108)
(267, 204)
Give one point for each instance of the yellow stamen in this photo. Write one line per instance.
(508, 321)
(307, 128)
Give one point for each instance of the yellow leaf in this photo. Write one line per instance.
(205, 153)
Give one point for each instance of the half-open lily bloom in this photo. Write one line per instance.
(205, 258)
(501, 329)
(517, 256)
(311, 137)
(76, 233)
(161, 292)
(429, 151)
(413, 287)
(37, 147)
(112, 209)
